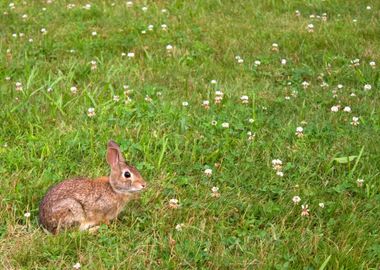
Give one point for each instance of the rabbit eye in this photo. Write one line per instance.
(127, 174)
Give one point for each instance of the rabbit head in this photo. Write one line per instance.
(124, 178)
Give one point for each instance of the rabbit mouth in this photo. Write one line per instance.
(128, 190)
(133, 190)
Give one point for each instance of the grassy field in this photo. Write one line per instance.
(236, 165)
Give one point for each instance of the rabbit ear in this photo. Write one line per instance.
(114, 155)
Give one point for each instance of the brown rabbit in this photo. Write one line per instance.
(87, 203)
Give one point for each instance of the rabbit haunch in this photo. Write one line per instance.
(85, 203)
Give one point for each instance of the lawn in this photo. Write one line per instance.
(260, 117)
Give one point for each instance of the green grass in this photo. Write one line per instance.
(46, 137)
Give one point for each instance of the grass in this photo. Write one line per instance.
(47, 136)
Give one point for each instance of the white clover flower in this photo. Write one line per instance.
(305, 210)
(296, 199)
(244, 99)
(74, 89)
(123, 54)
(305, 84)
(143, 32)
(87, 6)
(225, 125)
(277, 165)
(169, 48)
(215, 192)
(208, 172)
(347, 109)
(283, 62)
(144, 9)
(251, 120)
(50, 89)
(30, 40)
(148, 98)
(372, 64)
(116, 98)
(354, 20)
(321, 205)
(280, 174)
(214, 123)
(214, 82)
(93, 65)
(164, 27)
(206, 104)
(324, 85)
(240, 61)
(298, 13)
(173, 203)
(18, 86)
(355, 121)
(219, 93)
(310, 28)
(360, 182)
(251, 136)
(131, 54)
(367, 87)
(257, 63)
(14, 35)
(77, 265)
(335, 108)
(91, 112)
(150, 27)
(368, 7)
(275, 47)
(355, 62)
(94, 33)
(324, 17)
(27, 215)
(164, 10)
(218, 99)
(179, 227)
(299, 131)
(276, 162)
(287, 97)
(340, 86)
(352, 95)
(185, 104)
(129, 3)
(43, 31)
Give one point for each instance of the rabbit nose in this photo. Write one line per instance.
(143, 185)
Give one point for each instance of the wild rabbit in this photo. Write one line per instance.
(87, 203)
